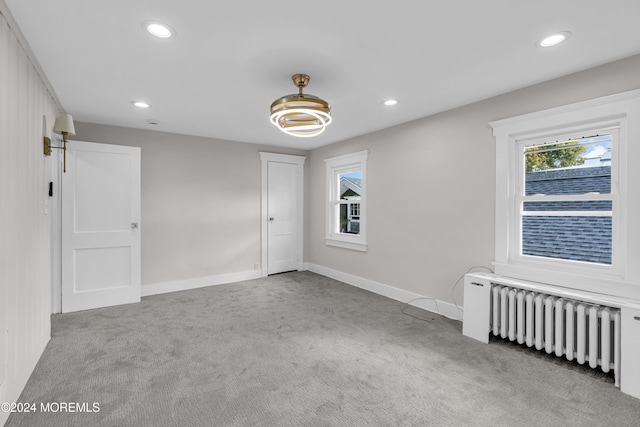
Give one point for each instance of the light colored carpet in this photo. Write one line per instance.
(299, 349)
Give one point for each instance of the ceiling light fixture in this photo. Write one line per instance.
(554, 39)
(390, 102)
(159, 29)
(301, 114)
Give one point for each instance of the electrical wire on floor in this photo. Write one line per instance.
(406, 304)
(435, 301)
(470, 270)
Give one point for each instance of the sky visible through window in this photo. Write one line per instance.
(356, 174)
(597, 148)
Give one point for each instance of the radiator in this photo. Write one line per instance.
(586, 333)
(597, 330)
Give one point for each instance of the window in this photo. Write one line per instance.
(353, 219)
(566, 202)
(346, 195)
(567, 188)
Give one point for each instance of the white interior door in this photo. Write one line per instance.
(282, 212)
(100, 226)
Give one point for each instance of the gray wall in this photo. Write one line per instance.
(200, 201)
(431, 192)
(431, 189)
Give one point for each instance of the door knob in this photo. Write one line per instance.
(271, 218)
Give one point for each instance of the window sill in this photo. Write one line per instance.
(356, 246)
(608, 284)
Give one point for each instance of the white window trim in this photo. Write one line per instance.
(616, 111)
(334, 166)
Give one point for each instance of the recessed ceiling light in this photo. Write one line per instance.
(140, 104)
(390, 102)
(159, 29)
(554, 39)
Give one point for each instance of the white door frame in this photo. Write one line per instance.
(56, 227)
(265, 158)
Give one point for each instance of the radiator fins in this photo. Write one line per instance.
(575, 329)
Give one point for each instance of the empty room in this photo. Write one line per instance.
(416, 213)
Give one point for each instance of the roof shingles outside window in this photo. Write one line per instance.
(569, 181)
(579, 238)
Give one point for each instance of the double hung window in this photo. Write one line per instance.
(566, 200)
(567, 187)
(346, 195)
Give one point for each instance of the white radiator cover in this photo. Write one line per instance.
(590, 328)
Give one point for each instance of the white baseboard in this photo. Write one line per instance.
(198, 282)
(427, 303)
(15, 383)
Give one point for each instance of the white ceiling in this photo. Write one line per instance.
(231, 59)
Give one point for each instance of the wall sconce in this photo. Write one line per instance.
(63, 126)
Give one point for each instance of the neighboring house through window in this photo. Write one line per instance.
(351, 191)
(346, 195)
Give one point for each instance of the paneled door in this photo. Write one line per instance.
(100, 226)
(282, 212)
